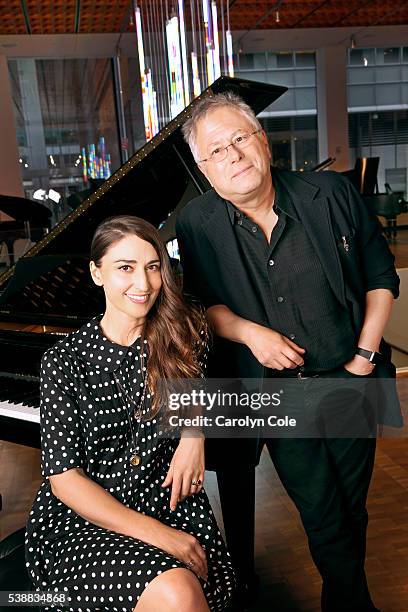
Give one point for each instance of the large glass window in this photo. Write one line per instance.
(66, 125)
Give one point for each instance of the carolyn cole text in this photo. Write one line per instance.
(227, 422)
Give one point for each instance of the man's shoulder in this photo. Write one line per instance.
(196, 207)
(327, 181)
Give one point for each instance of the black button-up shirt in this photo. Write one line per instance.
(288, 276)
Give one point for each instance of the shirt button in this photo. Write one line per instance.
(238, 214)
(240, 222)
(292, 336)
(254, 229)
(271, 262)
(279, 299)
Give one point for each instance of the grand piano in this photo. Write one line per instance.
(49, 292)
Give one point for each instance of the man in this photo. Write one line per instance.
(297, 280)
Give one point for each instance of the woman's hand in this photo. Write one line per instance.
(186, 467)
(184, 547)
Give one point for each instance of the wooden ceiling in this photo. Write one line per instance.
(102, 16)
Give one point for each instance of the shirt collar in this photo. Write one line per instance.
(93, 347)
(283, 202)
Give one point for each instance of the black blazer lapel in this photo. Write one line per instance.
(315, 216)
(314, 213)
(217, 227)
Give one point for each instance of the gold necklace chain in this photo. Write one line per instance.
(135, 458)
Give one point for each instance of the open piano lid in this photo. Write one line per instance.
(51, 283)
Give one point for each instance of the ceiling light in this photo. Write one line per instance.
(277, 17)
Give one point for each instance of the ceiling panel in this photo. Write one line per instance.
(103, 16)
(12, 18)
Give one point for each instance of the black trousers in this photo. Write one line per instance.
(328, 480)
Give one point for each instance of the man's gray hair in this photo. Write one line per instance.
(209, 104)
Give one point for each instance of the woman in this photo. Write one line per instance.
(121, 521)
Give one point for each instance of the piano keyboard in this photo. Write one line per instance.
(20, 398)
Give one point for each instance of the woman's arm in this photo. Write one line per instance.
(98, 506)
(186, 467)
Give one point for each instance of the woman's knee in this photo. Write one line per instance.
(175, 590)
(181, 588)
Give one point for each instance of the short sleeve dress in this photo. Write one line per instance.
(85, 424)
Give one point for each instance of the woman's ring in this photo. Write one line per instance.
(195, 483)
(190, 564)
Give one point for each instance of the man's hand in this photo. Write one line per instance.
(359, 366)
(272, 349)
(187, 466)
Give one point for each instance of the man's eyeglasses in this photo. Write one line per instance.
(239, 142)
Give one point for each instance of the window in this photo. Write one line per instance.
(246, 61)
(382, 134)
(390, 55)
(280, 60)
(293, 141)
(305, 59)
(361, 57)
(284, 60)
(66, 123)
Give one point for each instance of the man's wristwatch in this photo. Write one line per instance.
(372, 356)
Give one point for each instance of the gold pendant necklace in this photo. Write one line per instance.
(135, 458)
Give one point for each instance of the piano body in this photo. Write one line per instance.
(49, 291)
(24, 219)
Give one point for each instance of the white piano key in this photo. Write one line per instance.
(20, 412)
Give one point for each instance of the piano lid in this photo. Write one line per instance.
(51, 284)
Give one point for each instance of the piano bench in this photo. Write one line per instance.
(13, 573)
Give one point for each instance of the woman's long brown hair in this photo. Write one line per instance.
(175, 331)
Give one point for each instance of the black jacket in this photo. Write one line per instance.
(347, 238)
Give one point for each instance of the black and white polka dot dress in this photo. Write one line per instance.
(84, 424)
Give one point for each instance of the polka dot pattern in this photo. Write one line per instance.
(84, 424)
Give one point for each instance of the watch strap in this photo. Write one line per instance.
(372, 356)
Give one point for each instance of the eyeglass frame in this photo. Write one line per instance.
(200, 161)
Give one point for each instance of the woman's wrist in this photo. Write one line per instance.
(192, 432)
(145, 528)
